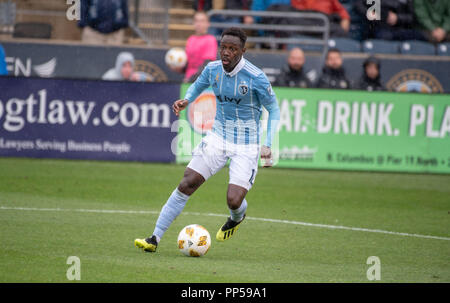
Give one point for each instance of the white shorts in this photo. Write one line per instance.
(213, 152)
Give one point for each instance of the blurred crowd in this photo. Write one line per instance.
(104, 22)
(427, 20)
(399, 20)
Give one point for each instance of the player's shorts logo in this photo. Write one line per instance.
(243, 88)
(414, 80)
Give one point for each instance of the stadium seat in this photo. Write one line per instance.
(345, 45)
(305, 46)
(381, 46)
(414, 47)
(443, 49)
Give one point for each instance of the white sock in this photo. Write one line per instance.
(173, 207)
(238, 214)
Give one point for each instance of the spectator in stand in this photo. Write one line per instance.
(267, 5)
(333, 73)
(397, 20)
(103, 21)
(200, 47)
(370, 79)
(434, 18)
(3, 70)
(293, 74)
(206, 5)
(337, 14)
(123, 69)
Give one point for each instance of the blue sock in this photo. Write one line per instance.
(238, 214)
(173, 207)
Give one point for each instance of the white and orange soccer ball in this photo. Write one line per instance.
(194, 240)
(176, 57)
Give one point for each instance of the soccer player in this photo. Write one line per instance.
(241, 90)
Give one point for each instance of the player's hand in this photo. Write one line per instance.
(266, 155)
(179, 105)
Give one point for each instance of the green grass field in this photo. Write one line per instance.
(53, 209)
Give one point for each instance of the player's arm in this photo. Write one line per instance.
(193, 91)
(269, 101)
(272, 127)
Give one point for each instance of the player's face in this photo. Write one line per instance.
(231, 51)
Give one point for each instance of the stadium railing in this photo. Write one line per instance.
(7, 17)
(150, 20)
(296, 33)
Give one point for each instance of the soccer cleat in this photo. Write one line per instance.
(149, 244)
(228, 229)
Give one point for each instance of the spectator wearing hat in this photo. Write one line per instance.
(370, 80)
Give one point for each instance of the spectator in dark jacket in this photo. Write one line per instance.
(103, 21)
(206, 5)
(397, 20)
(434, 18)
(293, 74)
(370, 79)
(338, 16)
(333, 74)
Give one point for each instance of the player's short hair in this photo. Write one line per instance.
(237, 32)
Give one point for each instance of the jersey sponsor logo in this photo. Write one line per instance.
(228, 99)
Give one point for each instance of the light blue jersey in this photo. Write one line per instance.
(240, 96)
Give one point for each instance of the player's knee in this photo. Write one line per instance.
(234, 201)
(189, 184)
(186, 187)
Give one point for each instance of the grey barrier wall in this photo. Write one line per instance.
(402, 73)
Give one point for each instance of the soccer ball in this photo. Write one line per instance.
(194, 240)
(176, 57)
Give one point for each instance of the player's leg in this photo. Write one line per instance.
(191, 181)
(243, 169)
(206, 161)
(236, 201)
(237, 206)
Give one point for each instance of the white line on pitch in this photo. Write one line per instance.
(152, 212)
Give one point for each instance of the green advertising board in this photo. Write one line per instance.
(350, 130)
